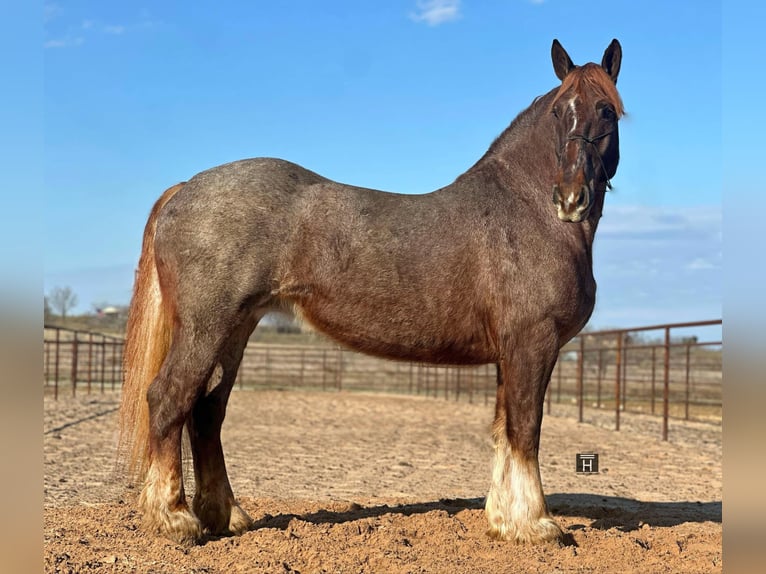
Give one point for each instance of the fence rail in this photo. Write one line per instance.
(648, 370)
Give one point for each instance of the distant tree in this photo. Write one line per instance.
(62, 300)
(46, 309)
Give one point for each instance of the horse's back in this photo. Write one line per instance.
(250, 181)
(258, 170)
(234, 197)
(221, 235)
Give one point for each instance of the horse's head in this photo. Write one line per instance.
(585, 111)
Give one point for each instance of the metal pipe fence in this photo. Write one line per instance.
(80, 360)
(654, 370)
(651, 370)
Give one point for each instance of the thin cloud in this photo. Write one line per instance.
(50, 11)
(658, 223)
(147, 20)
(86, 29)
(64, 42)
(113, 29)
(436, 12)
(700, 264)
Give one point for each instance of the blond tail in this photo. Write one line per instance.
(147, 341)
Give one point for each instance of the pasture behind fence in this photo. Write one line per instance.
(653, 370)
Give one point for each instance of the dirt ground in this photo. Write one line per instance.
(342, 482)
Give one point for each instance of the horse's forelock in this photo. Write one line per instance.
(591, 78)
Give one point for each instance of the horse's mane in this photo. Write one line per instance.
(591, 77)
(509, 134)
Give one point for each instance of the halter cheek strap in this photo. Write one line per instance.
(593, 141)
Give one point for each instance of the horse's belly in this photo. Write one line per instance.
(400, 332)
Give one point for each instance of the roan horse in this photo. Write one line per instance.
(485, 270)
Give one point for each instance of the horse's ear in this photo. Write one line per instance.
(612, 59)
(562, 63)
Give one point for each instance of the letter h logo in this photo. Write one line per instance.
(586, 463)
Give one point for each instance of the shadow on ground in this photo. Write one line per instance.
(357, 512)
(628, 514)
(606, 511)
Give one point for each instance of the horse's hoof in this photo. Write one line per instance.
(240, 522)
(221, 518)
(536, 532)
(180, 526)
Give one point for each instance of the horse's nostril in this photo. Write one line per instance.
(582, 200)
(556, 194)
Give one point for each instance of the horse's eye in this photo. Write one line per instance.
(555, 113)
(607, 112)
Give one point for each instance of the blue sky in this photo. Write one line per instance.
(402, 95)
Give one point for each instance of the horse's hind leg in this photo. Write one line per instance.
(515, 505)
(214, 502)
(186, 369)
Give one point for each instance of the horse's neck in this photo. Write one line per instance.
(526, 146)
(526, 151)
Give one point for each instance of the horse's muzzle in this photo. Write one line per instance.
(572, 205)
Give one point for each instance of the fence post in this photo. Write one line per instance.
(624, 375)
(90, 360)
(103, 358)
(666, 386)
(688, 350)
(654, 349)
(113, 347)
(324, 368)
(47, 361)
(103, 353)
(56, 367)
(486, 389)
(600, 374)
(74, 364)
(121, 362)
(303, 365)
(580, 368)
(617, 377)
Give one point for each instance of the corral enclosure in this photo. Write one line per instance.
(339, 479)
(663, 370)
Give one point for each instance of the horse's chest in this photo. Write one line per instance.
(565, 293)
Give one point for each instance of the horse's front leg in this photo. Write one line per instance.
(515, 505)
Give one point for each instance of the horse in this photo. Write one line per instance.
(494, 268)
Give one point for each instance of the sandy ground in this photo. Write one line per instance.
(342, 482)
